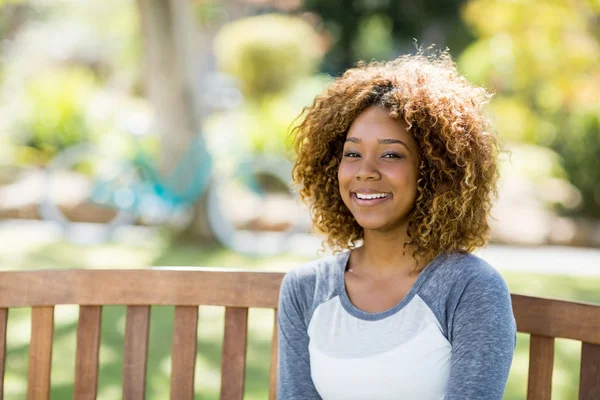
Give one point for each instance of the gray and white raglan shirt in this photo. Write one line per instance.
(452, 337)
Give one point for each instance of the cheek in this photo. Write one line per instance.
(344, 175)
(404, 176)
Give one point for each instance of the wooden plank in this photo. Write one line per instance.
(541, 362)
(3, 323)
(185, 331)
(172, 286)
(135, 359)
(233, 366)
(87, 358)
(40, 353)
(273, 367)
(589, 383)
(557, 318)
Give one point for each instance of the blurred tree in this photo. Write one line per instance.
(543, 60)
(12, 15)
(381, 29)
(274, 58)
(177, 51)
(267, 53)
(173, 65)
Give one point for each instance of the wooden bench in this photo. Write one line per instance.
(187, 288)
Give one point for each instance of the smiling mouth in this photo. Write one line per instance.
(370, 199)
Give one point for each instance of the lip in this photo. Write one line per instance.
(369, 203)
(367, 191)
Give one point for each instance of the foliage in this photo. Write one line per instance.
(272, 56)
(263, 127)
(543, 60)
(53, 116)
(267, 53)
(374, 39)
(268, 124)
(581, 158)
(382, 29)
(58, 61)
(9, 2)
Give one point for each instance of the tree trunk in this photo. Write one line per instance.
(174, 63)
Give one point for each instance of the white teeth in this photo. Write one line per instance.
(370, 196)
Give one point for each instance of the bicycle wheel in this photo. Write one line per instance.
(255, 212)
(89, 193)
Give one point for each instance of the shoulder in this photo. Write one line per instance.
(465, 269)
(480, 302)
(307, 275)
(463, 281)
(477, 286)
(313, 282)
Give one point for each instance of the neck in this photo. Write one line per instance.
(384, 254)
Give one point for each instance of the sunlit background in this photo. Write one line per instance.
(155, 133)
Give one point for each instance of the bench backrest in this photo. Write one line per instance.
(547, 319)
(188, 288)
(185, 289)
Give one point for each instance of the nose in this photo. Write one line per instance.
(367, 171)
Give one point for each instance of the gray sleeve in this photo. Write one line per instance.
(483, 335)
(294, 380)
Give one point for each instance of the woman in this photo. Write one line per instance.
(399, 168)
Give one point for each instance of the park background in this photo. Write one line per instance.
(76, 71)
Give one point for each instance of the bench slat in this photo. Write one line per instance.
(88, 346)
(167, 287)
(233, 366)
(185, 333)
(541, 362)
(136, 352)
(557, 318)
(589, 384)
(273, 369)
(40, 353)
(3, 323)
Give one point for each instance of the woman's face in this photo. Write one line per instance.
(379, 171)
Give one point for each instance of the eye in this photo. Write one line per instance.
(392, 155)
(351, 154)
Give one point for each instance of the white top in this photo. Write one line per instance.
(404, 353)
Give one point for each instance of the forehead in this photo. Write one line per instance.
(376, 123)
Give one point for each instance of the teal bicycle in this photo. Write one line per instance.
(250, 205)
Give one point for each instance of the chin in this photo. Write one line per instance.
(373, 225)
(381, 225)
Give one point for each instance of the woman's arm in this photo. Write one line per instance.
(294, 380)
(483, 340)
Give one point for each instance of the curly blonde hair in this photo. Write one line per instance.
(458, 170)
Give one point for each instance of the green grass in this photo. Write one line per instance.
(210, 328)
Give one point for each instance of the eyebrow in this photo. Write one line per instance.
(380, 141)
